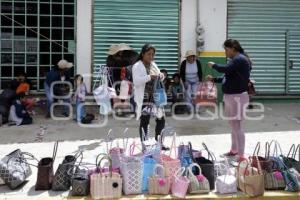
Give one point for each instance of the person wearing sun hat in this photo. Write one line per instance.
(191, 76)
(58, 73)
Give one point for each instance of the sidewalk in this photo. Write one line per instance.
(219, 144)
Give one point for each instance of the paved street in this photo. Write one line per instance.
(280, 123)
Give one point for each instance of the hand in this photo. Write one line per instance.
(209, 78)
(210, 64)
(153, 77)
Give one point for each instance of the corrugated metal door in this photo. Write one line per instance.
(260, 26)
(137, 22)
(293, 62)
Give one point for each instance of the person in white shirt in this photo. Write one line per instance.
(191, 76)
(144, 73)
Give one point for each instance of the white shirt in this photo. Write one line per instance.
(191, 72)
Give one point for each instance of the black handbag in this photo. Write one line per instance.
(45, 171)
(62, 180)
(80, 182)
(207, 166)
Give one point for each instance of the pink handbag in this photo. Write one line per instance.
(106, 185)
(171, 165)
(206, 93)
(159, 184)
(180, 184)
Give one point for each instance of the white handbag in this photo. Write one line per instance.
(227, 183)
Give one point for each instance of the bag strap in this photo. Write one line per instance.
(190, 169)
(109, 139)
(97, 158)
(125, 144)
(106, 157)
(173, 145)
(210, 154)
(179, 173)
(258, 164)
(295, 154)
(55, 150)
(292, 151)
(256, 150)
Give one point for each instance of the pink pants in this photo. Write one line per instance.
(235, 106)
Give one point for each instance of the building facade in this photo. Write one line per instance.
(81, 31)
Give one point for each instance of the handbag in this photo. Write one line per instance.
(106, 185)
(274, 179)
(132, 173)
(14, 168)
(180, 184)
(198, 183)
(45, 171)
(80, 182)
(250, 179)
(227, 183)
(251, 88)
(148, 167)
(290, 160)
(275, 163)
(116, 153)
(171, 165)
(206, 93)
(158, 182)
(207, 166)
(263, 161)
(160, 96)
(62, 180)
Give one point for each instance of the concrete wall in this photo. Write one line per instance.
(84, 40)
(213, 17)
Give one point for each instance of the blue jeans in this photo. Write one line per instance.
(190, 92)
(80, 111)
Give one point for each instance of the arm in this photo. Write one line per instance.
(199, 70)
(139, 78)
(82, 92)
(228, 68)
(182, 71)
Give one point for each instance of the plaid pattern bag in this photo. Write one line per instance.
(14, 169)
(62, 180)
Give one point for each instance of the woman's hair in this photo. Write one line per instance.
(77, 76)
(20, 95)
(145, 49)
(234, 44)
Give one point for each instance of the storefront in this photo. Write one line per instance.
(137, 22)
(269, 32)
(35, 34)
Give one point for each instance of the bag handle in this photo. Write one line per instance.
(276, 148)
(179, 173)
(257, 149)
(295, 154)
(55, 150)
(258, 165)
(190, 169)
(155, 170)
(97, 158)
(173, 145)
(72, 173)
(106, 157)
(210, 154)
(292, 151)
(109, 139)
(125, 144)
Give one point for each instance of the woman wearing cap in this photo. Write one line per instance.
(234, 86)
(144, 73)
(191, 76)
(57, 73)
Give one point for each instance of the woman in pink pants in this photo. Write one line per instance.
(235, 86)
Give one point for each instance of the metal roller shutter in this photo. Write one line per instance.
(137, 22)
(261, 27)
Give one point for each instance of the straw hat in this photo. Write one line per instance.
(63, 64)
(190, 53)
(115, 48)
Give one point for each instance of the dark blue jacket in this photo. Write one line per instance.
(237, 74)
(54, 75)
(21, 111)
